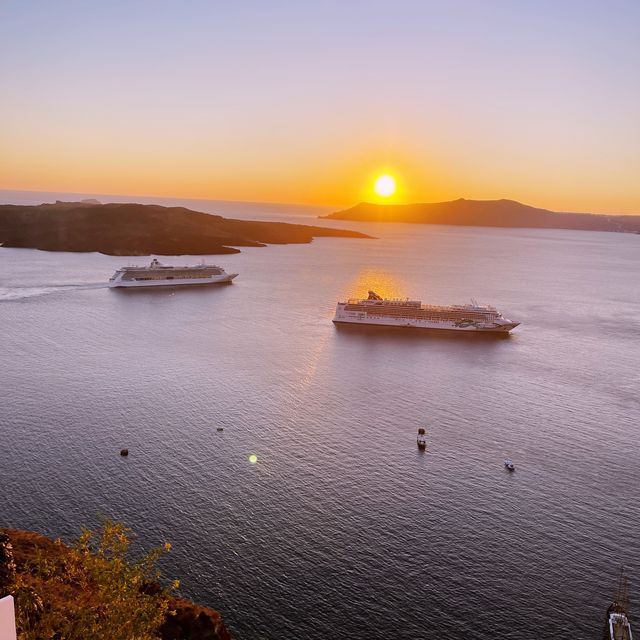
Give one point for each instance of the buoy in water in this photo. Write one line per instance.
(124, 452)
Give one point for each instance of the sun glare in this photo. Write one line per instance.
(385, 186)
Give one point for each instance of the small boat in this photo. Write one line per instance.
(618, 626)
(422, 439)
(508, 463)
(220, 429)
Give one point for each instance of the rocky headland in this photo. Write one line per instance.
(21, 550)
(143, 229)
(487, 213)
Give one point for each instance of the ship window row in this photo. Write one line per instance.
(421, 314)
(431, 318)
(418, 318)
(174, 272)
(165, 276)
(423, 309)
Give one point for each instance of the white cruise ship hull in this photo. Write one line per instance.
(172, 282)
(346, 317)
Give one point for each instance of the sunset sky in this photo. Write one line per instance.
(293, 101)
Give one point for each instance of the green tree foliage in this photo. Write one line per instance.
(93, 589)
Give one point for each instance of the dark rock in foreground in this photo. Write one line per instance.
(141, 229)
(487, 213)
(193, 622)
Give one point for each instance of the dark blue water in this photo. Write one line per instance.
(342, 528)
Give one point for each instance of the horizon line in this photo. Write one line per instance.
(300, 204)
(140, 195)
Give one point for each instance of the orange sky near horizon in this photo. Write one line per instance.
(252, 104)
(313, 183)
(339, 179)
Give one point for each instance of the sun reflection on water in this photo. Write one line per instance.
(379, 280)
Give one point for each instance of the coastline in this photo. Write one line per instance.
(131, 229)
(190, 621)
(487, 213)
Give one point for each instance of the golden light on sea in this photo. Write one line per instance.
(385, 186)
(376, 279)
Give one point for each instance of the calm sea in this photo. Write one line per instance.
(342, 528)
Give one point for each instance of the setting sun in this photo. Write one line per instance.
(385, 186)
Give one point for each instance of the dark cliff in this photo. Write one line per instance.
(138, 229)
(487, 213)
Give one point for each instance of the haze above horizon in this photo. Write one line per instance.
(291, 102)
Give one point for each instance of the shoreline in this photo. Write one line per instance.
(191, 620)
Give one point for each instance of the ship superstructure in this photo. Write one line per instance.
(157, 274)
(376, 310)
(617, 625)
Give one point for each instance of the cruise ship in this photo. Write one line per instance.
(412, 313)
(157, 274)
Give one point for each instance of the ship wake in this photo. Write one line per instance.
(13, 294)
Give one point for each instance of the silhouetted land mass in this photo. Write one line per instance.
(487, 213)
(143, 229)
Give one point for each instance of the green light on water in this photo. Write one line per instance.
(253, 458)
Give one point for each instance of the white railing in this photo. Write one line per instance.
(7, 619)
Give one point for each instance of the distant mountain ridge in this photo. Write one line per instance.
(143, 229)
(487, 213)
